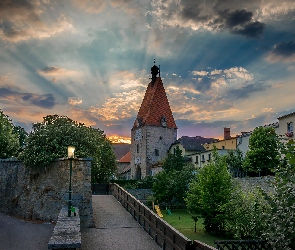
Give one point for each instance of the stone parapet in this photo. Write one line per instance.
(39, 193)
(67, 232)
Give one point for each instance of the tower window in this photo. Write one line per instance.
(163, 121)
(157, 152)
(161, 138)
(137, 148)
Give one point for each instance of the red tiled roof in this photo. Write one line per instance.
(126, 158)
(155, 105)
(120, 149)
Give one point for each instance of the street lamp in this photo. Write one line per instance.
(71, 150)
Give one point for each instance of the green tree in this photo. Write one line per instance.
(9, 142)
(280, 231)
(234, 159)
(50, 138)
(210, 192)
(22, 135)
(171, 184)
(263, 150)
(245, 214)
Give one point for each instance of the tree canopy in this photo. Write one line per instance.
(50, 138)
(171, 184)
(210, 192)
(9, 140)
(263, 150)
(280, 231)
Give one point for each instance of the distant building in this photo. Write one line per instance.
(120, 149)
(124, 167)
(154, 129)
(191, 146)
(286, 126)
(228, 142)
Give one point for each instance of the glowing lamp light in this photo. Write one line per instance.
(71, 150)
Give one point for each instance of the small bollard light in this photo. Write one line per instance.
(71, 150)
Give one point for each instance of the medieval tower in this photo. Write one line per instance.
(154, 129)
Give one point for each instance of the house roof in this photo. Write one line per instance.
(126, 158)
(120, 149)
(194, 143)
(155, 106)
(287, 115)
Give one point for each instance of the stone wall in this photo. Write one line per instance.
(250, 183)
(152, 138)
(40, 193)
(141, 194)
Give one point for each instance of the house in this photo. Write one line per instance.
(120, 149)
(286, 126)
(190, 146)
(154, 129)
(124, 168)
(228, 143)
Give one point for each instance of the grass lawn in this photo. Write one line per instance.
(182, 221)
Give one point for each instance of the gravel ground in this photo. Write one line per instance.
(16, 234)
(115, 229)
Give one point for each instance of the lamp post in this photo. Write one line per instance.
(71, 150)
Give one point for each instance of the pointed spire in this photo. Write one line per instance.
(155, 109)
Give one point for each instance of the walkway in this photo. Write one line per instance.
(26, 235)
(114, 228)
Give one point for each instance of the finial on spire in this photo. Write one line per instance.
(154, 71)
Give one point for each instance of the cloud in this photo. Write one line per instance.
(91, 6)
(22, 20)
(253, 30)
(282, 52)
(235, 16)
(58, 73)
(267, 110)
(200, 73)
(245, 91)
(44, 101)
(121, 106)
(239, 72)
(74, 101)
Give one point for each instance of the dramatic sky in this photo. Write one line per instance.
(224, 63)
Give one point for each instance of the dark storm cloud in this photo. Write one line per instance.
(237, 17)
(246, 91)
(284, 49)
(253, 30)
(217, 15)
(44, 101)
(193, 11)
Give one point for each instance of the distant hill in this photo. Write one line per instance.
(121, 149)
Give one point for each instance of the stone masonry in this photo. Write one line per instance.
(40, 193)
